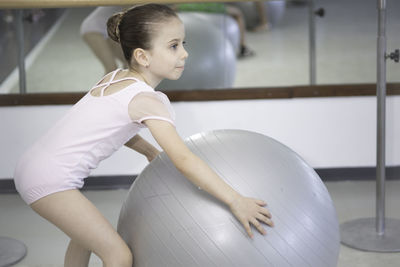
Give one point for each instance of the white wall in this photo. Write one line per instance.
(326, 132)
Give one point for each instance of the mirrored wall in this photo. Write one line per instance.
(231, 45)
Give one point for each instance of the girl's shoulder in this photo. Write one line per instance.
(114, 82)
(151, 105)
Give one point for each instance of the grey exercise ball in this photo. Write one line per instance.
(274, 9)
(212, 59)
(167, 221)
(227, 25)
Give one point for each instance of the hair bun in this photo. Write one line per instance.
(113, 26)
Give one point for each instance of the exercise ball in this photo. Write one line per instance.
(212, 59)
(274, 9)
(168, 221)
(227, 25)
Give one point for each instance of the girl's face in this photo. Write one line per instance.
(167, 55)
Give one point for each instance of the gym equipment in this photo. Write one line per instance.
(212, 58)
(168, 221)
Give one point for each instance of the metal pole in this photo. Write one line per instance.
(312, 40)
(21, 51)
(379, 234)
(381, 118)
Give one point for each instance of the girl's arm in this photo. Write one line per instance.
(140, 145)
(247, 210)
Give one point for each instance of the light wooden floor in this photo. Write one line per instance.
(46, 244)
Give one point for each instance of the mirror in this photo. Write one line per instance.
(345, 47)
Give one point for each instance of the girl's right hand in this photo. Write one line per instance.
(251, 211)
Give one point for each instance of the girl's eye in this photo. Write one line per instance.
(175, 46)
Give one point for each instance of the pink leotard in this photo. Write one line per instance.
(92, 130)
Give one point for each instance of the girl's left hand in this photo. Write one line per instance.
(250, 210)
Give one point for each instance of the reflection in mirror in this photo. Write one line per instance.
(235, 45)
(36, 23)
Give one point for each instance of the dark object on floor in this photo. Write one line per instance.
(245, 52)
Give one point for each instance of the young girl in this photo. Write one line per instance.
(111, 114)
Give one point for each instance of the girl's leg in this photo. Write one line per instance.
(263, 24)
(101, 48)
(117, 52)
(76, 216)
(76, 256)
(237, 15)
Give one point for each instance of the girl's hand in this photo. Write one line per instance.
(249, 210)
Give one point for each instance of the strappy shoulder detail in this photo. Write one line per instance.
(111, 81)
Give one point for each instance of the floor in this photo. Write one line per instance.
(46, 244)
(345, 49)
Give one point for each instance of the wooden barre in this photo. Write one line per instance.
(307, 91)
(21, 4)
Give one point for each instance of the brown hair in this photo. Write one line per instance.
(134, 28)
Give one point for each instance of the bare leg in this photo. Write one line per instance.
(101, 48)
(76, 255)
(236, 14)
(263, 25)
(117, 52)
(76, 216)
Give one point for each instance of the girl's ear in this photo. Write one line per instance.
(141, 57)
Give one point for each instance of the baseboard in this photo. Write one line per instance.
(326, 174)
(356, 173)
(91, 183)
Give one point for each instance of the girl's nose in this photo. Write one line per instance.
(185, 54)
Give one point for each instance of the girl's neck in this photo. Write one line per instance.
(143, 77)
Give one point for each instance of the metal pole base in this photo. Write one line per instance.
(11, 251)
(361, 234)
